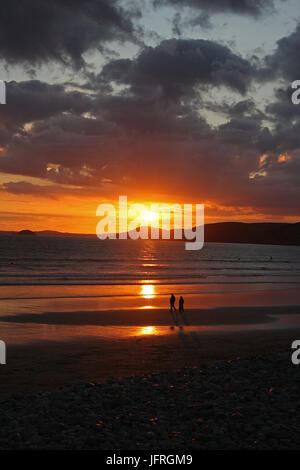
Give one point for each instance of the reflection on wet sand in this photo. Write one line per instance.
(146, 330)
(14, 333)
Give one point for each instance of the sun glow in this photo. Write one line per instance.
(148, 291)
(149, 217)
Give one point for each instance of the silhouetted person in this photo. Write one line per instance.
(172, 303)
(181, 304)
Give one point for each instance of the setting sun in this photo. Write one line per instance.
(149, 217)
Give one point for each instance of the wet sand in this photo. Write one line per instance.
(67, 347)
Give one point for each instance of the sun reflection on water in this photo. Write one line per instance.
(148, 291)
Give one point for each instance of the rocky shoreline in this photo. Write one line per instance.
(240, 404)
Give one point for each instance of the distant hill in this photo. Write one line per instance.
(252, 233)
(224, 232)
(48, 233)
(257, 233)
(26, 232)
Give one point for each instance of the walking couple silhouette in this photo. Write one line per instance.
(172, 303)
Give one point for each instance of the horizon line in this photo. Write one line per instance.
(149, 227)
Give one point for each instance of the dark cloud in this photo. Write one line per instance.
(246, 108)
(53, 191)
(282, 108)
(60, 30)
(23, 187)
(244, 7)
(149, 135)
(34, 100)
(202, 10)
(285, 119)
(134, 142)
(284, 62)
(176, 66)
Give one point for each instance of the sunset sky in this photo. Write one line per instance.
(178, 101)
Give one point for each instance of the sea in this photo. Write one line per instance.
(73, 275)
(35, 261)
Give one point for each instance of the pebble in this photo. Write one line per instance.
(248, 403)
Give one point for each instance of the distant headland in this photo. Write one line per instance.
(223, 232)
